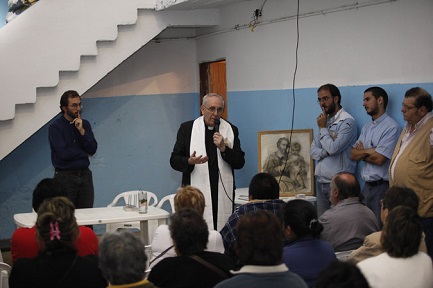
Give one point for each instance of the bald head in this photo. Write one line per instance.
(346, 185)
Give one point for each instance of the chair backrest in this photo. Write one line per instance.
(170, 199)
(4, 279)
(5, 271)
(131, 198)
(343, 255)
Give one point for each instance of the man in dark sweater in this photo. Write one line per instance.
(72, 142)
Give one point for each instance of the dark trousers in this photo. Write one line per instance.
(79, 186)
(427, 224)
(373, 193)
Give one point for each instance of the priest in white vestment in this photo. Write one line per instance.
(207, 150)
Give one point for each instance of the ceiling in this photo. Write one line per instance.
(189, 32)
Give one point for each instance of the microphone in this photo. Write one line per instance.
(217, 125)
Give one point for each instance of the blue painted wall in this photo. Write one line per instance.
(255, 111)
(3, 10)
(136, 135)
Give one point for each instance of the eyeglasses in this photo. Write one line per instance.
(323, 99)
(406, 107)
(75, 105)
(212, 109)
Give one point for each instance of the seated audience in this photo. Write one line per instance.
(162, 245)
(341, 275)
(122, 260)
(23, 242)
(305, 255)
(57, 264)
(394, 196)
(193, 266)
(401, 265)
(260, 247)
(348, 221)
(264, 194)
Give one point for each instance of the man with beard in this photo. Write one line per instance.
(276, 164)
(332, 144)
(288, 168)
(375, 146)
(71, 142)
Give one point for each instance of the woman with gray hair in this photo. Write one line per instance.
(122, 260)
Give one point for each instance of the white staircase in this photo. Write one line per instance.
(58, 45)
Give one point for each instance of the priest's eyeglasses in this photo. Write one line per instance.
(212, 109)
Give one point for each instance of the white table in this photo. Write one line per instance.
(241, 197)
(105, 215)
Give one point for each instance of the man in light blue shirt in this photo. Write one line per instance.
(375, 147)
(332, 144)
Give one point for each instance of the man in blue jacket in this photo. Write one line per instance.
(332, 144)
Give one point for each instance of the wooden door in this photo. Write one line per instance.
(213, 80)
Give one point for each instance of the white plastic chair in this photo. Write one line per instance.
(153, 224)
(343, 255)
(148, 251)
(169, 198)
(5, 271)
(130, 198)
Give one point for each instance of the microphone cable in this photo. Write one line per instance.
(225, 191)
(217, 124)
(293, 93)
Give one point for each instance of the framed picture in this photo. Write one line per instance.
(285, 154)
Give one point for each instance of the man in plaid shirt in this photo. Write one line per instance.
(264, 194)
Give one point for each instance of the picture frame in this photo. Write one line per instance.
(294, 171)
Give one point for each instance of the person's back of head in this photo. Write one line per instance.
(259, 240)
(189, 232)
(122, 258)
(400, 196)
(56, 226)
(264, 186)
(47, 188)
(301, 216)
(402, 232)
(341, 275)
(347, 185)
(189, 197)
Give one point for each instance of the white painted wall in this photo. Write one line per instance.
(384, 43)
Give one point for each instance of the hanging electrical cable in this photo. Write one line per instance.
(293, 94)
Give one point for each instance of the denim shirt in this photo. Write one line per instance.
(331, 147)
(381, 134)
